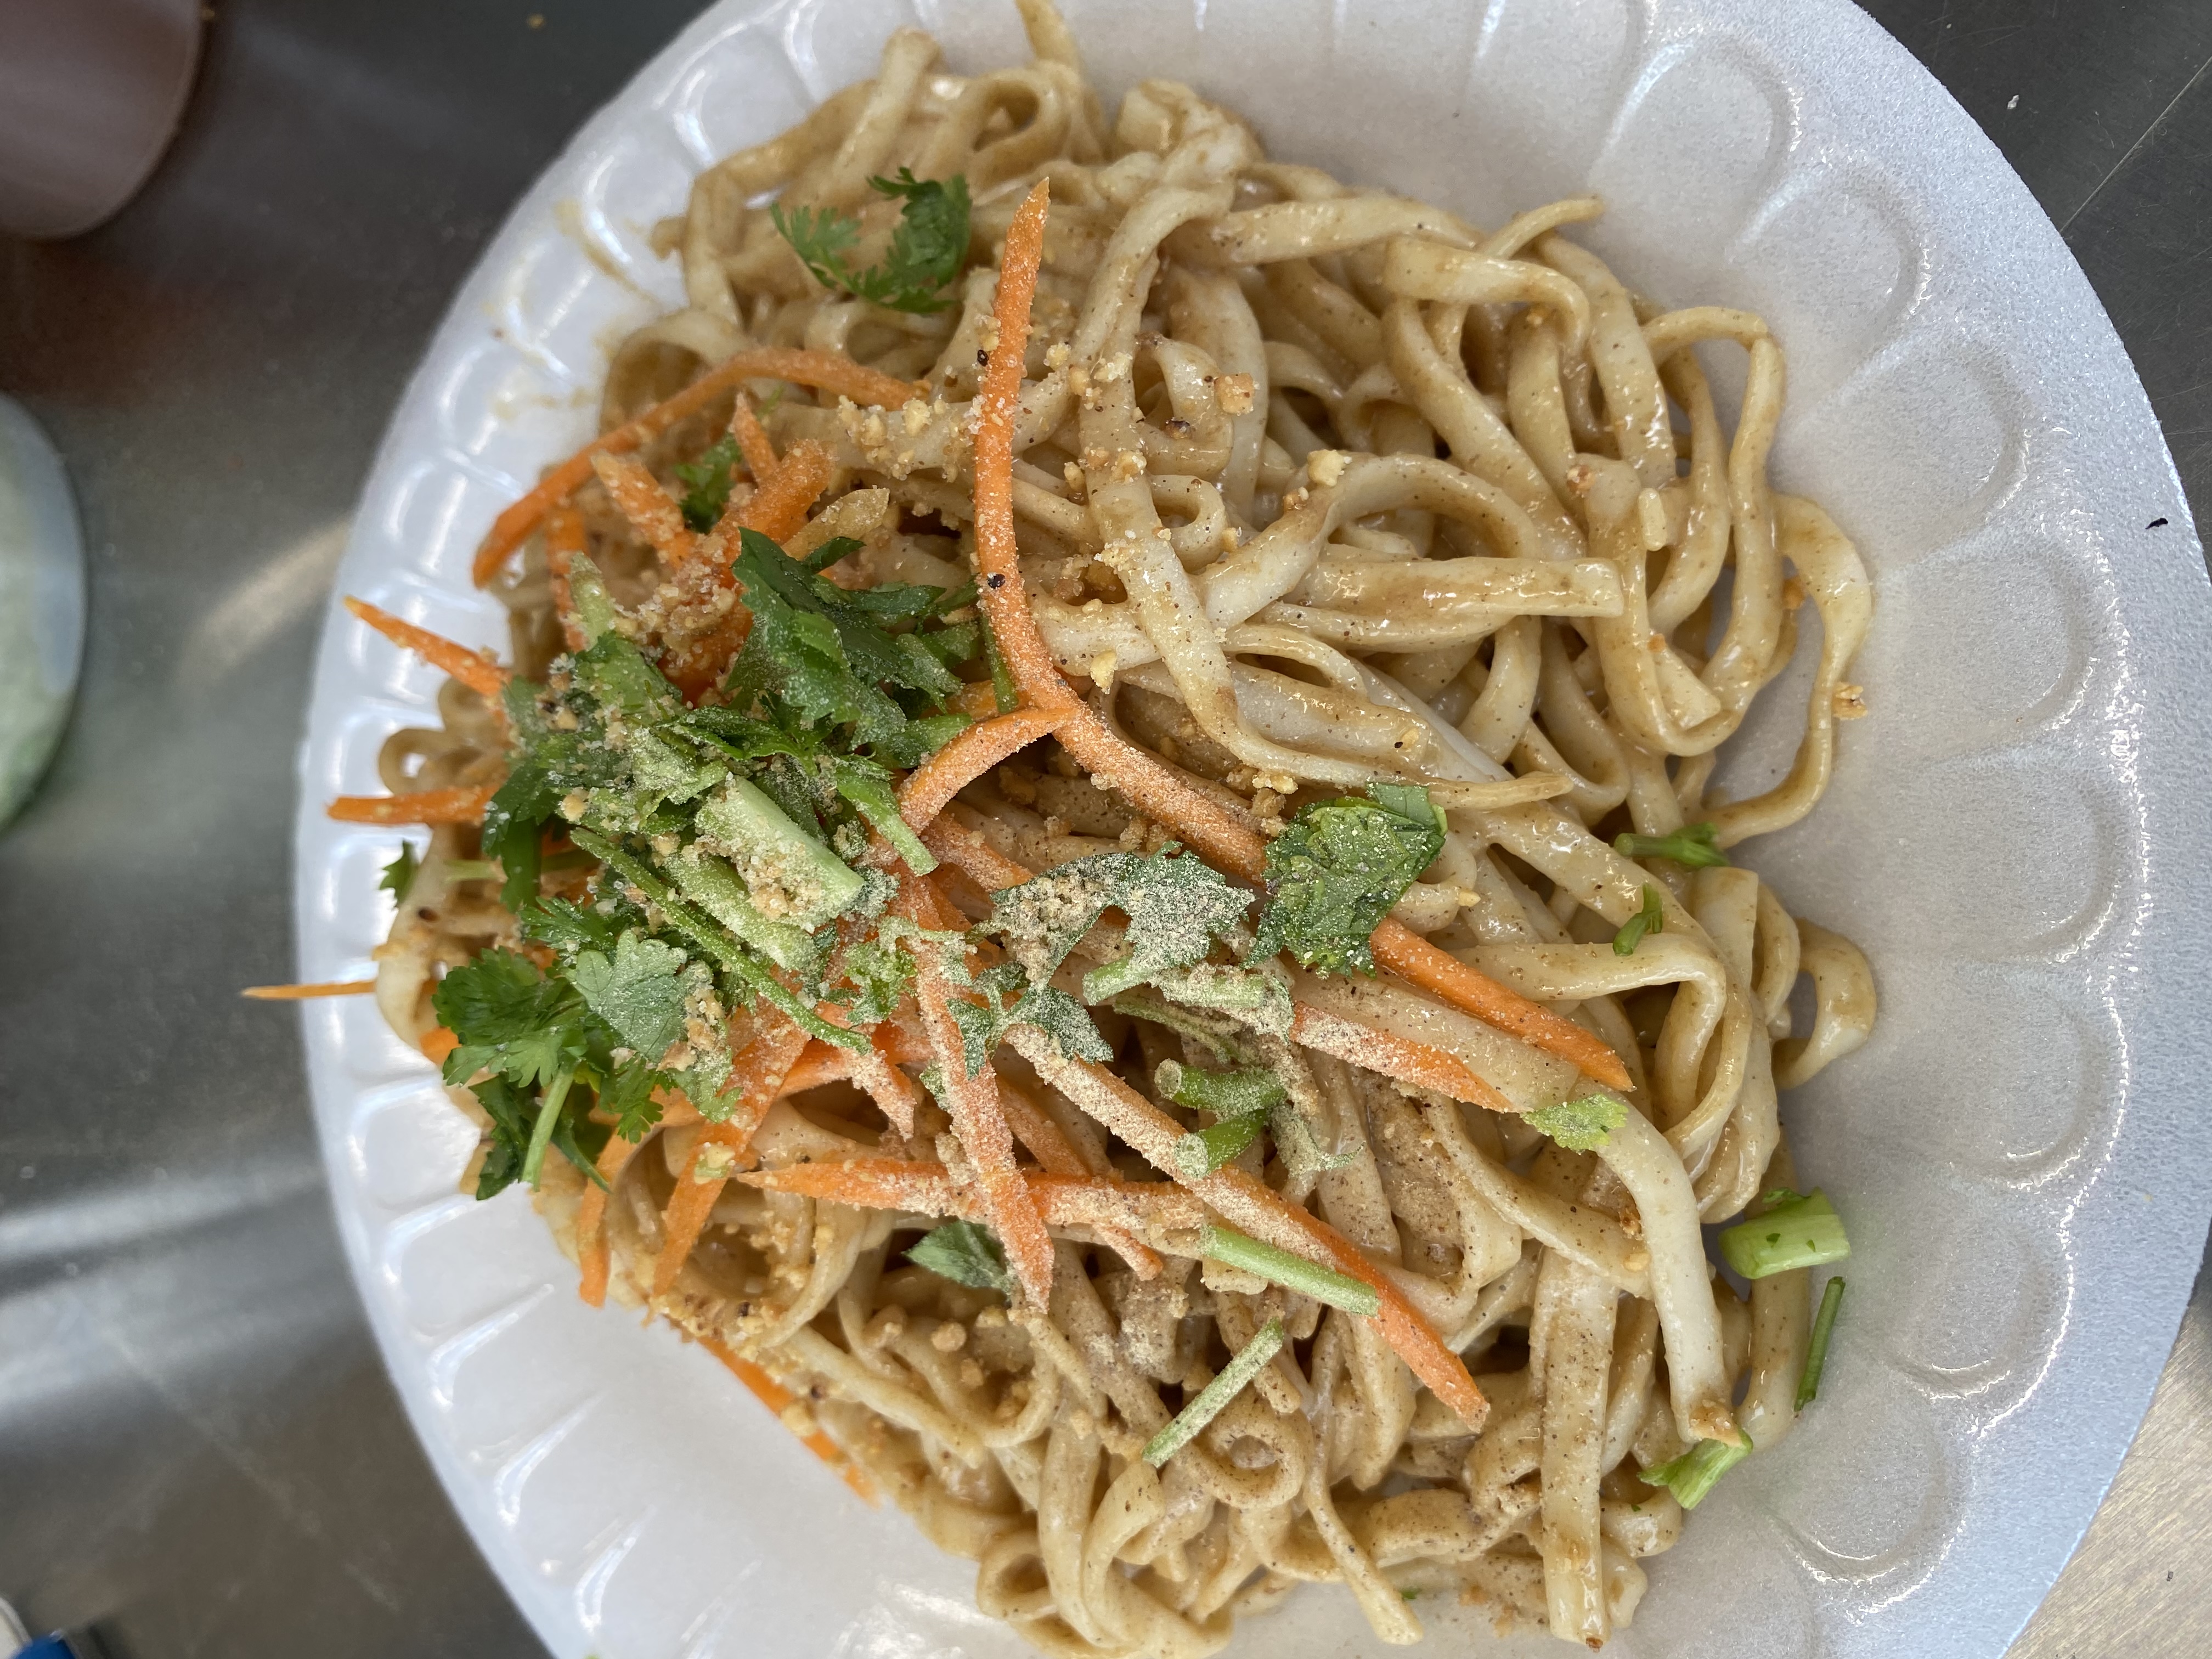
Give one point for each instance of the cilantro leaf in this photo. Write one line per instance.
(640, 992)
(818, 648)
(967, 1252)
(925, 254)
(1336, 869)
(510, 1018)
(1176, 906)
(706, 483)
(1652, 918)
(400, 874)
(1584, 1125)
(1694, 845)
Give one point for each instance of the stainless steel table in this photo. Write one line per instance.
(199, 1450)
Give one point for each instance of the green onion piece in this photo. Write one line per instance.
(541, 1132)
(1293, 1273)
(1803, 1233)
(470, 869)
(1816, 1351)
(1203, 1151)
(1225, 1094)
(1692, 1475)
(1692, 845)
(1213, 1398)
(1652, 918)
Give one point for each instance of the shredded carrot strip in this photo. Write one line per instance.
(1407, 954)
(1394, 1056)
(1153, 788)
(437, 1042)
(825, 369)
(752, 440)
(998, 568)
(896, 1094)
(975, 857)
(1250, 1204)
(651, 510)
(423, 807)
(350, 987)
(977, 1120)
(888, 1183)
(471, 668)
(758, 1072)
(979, 701)
(968, 757)
(779, 1399)
(779, 508)
(1034, 1127)
(594, 1255)
(564, 539)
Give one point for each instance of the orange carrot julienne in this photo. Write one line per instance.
(1407, 954)
(968, 757)
(472, 669)
(973, 1101)
(758, 1071)
(350, 987)
(1035, 1130)
(752, 440)
(1252, 1204)
(779, 1400)
(459, 805)
(968, 853)
(651, 510)
(779, 508)
(825, 370)
(890, 1183)
(998, 568)
(594, 1255)
(437, 1042)
(1394, 1056)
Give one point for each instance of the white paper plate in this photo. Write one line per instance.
(2016, 836)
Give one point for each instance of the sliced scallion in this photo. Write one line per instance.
(1213, 1398)
(1816, 1351)
(1692, 1475)
(1225, 1094)
(1293, 1273)
(1803, 1233)
(1203, 1151)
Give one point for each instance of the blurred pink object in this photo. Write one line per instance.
(90, 93)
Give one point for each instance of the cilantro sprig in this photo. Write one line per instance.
(924, 256)
(1338, 868)
(706, 483)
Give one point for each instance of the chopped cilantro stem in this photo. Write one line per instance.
(1203, 1151)
(1652, 918)
(702, 932)
(587, 592)
(1816, 1351)
(1803, 1233)
(873, 799)
(541, 1132)
(1213, 1398)
(1293, 1273)
(1003, 690)
(1225, 1094)
(1693, 846)
(1692, 1475)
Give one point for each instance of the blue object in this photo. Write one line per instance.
(48, 1647)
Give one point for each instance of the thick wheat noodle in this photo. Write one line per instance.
(1279, 487)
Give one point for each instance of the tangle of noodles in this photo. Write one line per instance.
(1312, 485)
